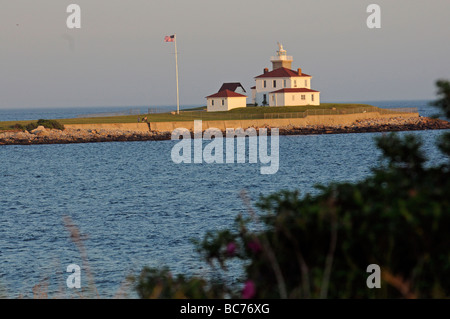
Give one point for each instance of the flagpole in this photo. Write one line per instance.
(176, 66)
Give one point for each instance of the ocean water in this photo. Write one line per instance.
(73, 112)
(137, 208)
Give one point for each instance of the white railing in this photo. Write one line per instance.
(282, 58)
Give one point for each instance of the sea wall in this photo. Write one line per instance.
(324, 120)
(133, 127)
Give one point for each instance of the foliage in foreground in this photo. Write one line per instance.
(320, 246)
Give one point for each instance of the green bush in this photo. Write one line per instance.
(50, 124)
(320, 246)
(19, 127)
(154, 284)
(31, 126)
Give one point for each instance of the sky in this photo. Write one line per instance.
(119, 57)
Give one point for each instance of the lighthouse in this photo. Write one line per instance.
(281, 60)
(283, 86)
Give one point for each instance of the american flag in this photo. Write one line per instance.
(169, 38)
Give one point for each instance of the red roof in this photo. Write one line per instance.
(282, 73)
(226, 93)
(231, 86)
(294, 90)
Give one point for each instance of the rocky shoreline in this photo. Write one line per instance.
(72, 136)
(68, 136)
(396, 124)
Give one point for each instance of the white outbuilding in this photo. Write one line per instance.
(225, 100)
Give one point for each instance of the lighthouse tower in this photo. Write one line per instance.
(281, 60)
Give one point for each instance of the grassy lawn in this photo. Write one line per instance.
(289, 109)
(197, 113)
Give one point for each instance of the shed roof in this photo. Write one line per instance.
(232, 86)
(226, 93)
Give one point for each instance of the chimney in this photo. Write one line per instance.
(266, 70)
(299, 71)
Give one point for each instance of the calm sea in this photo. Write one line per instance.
(73, 112)
(137, 208)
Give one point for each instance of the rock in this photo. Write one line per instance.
(39, 129)
(21, 135)
(42, 133)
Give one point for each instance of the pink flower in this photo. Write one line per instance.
(254, 246)
(249, 290)
(231, 249)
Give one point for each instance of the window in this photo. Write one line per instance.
(295, 83)
(212, 102)
(312, 97)
(274, 83)
(273, 98)
(303, 97)
(264, 83)
(284, 83)
(223, 102)
(306, 83)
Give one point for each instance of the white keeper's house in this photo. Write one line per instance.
(283, 86)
